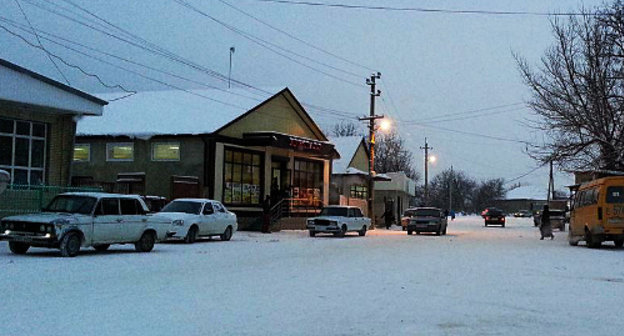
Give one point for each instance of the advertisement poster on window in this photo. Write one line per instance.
(255, 194)
(246, 193)
(236, 193)
(227, 198)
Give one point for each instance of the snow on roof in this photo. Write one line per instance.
(151, 113)
(346, 147)
(527, 192)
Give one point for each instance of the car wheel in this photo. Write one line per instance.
(227, 235)
(486, 224)
(571, 240)
(439, 232)
(409, 232)
(146, 243)
(591, 241)
(343, 231)
(101, 248)
(618, 242)
(417, 232)
(312, 233)
(18, 248)
(70, 244)
(191, 235)
(363, 231)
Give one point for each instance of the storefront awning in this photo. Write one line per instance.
(300, 144)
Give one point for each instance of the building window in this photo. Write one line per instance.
(360, 192)
(166, 151)
(23, 150)
(121, 151)
(308, 182)
(242, 177)
(82, 152)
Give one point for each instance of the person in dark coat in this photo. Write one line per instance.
(545, 226)
(266, 215)
(388, 217)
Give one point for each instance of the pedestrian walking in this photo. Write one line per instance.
(388, 217)
(545, 226)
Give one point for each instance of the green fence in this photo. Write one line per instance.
(23, 199)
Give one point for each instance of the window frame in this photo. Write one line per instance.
(242, 165)
(29, 168)
(156, 143)
(358, 191)
(88, 145)
(111, 144)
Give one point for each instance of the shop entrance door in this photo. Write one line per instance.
(280, 178)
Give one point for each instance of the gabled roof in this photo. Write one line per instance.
(346, 147)
(52, 82)
(175, 112)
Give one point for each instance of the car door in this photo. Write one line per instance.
(221, 218)
(107, 221)
(207, 220)
(134, 219)
(352, 221)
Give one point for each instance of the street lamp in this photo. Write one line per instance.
(432, 159)
(232, 50)
(385, 125)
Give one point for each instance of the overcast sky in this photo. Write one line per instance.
(436, 67)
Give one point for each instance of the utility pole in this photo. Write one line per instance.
(451, 182)
(426, 148)
(371, 138)
(551, 184)
(232, 50)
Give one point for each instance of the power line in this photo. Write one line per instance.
(427, 10)
(41, 44)
(433, 121)
(297, 38)
(267, 45)
(160, 51)
(469, 112)
(131, 92)
(525, 174)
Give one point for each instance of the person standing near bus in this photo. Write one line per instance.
(545, 226)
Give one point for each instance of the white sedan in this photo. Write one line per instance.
(192, 218)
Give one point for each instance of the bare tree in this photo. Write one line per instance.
(391, 155)
(346, 128)
(578, 92)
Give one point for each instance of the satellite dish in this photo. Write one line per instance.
(5, 177)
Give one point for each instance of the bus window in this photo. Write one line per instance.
(615, 194)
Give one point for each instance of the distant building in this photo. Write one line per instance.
(394, 194)
(523, 198)
(37, 125)
(349, 180)
(229, 145)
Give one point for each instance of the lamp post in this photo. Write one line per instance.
(232, 50)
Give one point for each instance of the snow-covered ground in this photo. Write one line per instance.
(475, 281)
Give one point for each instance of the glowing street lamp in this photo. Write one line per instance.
(432, 159)
(385, 125)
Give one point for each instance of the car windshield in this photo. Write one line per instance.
(183, 206)
(427, 213)
(495, 212)
(334, 212)
(71, 204)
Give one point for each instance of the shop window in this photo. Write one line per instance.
(166, 151)
(360, 192)
(242, 177)
(308, 182)
(82, 153)
(120, 151)
(23, 150)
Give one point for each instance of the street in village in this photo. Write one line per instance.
(474, 281)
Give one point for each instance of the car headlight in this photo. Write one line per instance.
(178, 222)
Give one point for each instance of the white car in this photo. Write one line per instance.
(339, 220)
(192, 218)
(75, 220)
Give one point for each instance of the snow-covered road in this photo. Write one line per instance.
(475, 281)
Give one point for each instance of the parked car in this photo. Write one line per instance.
(523, 213)
(75, 220)
(155, 203)
(192, 218)
(427, 219)
(339, 220)
(494, 216)
(407, 215)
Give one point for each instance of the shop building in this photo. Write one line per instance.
(37, 125)
(233, 146)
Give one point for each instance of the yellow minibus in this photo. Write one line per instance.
(597, 213)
